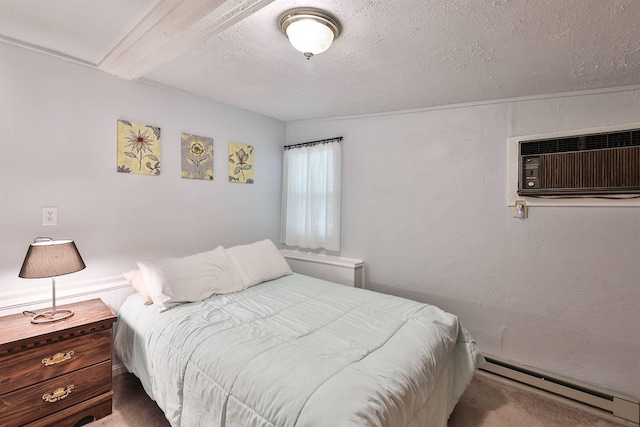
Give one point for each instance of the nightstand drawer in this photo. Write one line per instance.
(96, 408)
(48, 361)
(39, 400)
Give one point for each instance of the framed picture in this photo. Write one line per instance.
(197, 157)
(241, 163)
(138, 148)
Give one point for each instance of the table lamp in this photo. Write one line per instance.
(50, 258)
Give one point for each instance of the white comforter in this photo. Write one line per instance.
(298, 351)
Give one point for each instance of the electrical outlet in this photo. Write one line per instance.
(520, 209)
(49, 216)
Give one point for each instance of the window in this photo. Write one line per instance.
(311, 195)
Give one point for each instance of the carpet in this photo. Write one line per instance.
(486, 403)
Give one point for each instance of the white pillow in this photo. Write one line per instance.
(135, 278)
(171, 281)
(260, 261)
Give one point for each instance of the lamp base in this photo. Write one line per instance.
(51, 316)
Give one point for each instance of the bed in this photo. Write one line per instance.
(298, 351)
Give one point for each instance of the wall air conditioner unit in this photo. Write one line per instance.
(593, 164)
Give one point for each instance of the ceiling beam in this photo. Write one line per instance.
(172, 28)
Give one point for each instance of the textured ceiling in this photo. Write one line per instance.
(392, 54)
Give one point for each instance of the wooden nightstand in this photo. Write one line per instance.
(56, 374)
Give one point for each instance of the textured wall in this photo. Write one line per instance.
(58, 148)
(424, 204)
(405, 54)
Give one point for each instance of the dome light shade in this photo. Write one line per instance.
(310, 36)
(309, 30)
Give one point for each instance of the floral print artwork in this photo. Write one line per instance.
(138, 148)
(197, 157)
(240, 163)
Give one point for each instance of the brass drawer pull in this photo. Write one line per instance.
(57, 358)
(58, 394)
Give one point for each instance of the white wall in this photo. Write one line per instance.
(424, 204)
(58, 148)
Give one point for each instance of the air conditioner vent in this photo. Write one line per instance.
(560, 145)
(613, 140)
(598, 141)
(589, 164)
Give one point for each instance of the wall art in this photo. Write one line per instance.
(197, 156)
(240, 163)
(138, 148)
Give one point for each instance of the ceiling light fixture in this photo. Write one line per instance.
(311, 31)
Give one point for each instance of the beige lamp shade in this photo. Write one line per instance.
(50, 258)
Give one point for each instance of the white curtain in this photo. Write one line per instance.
(311, 196)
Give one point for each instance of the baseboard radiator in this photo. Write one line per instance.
(612, 406)
(346, 271)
